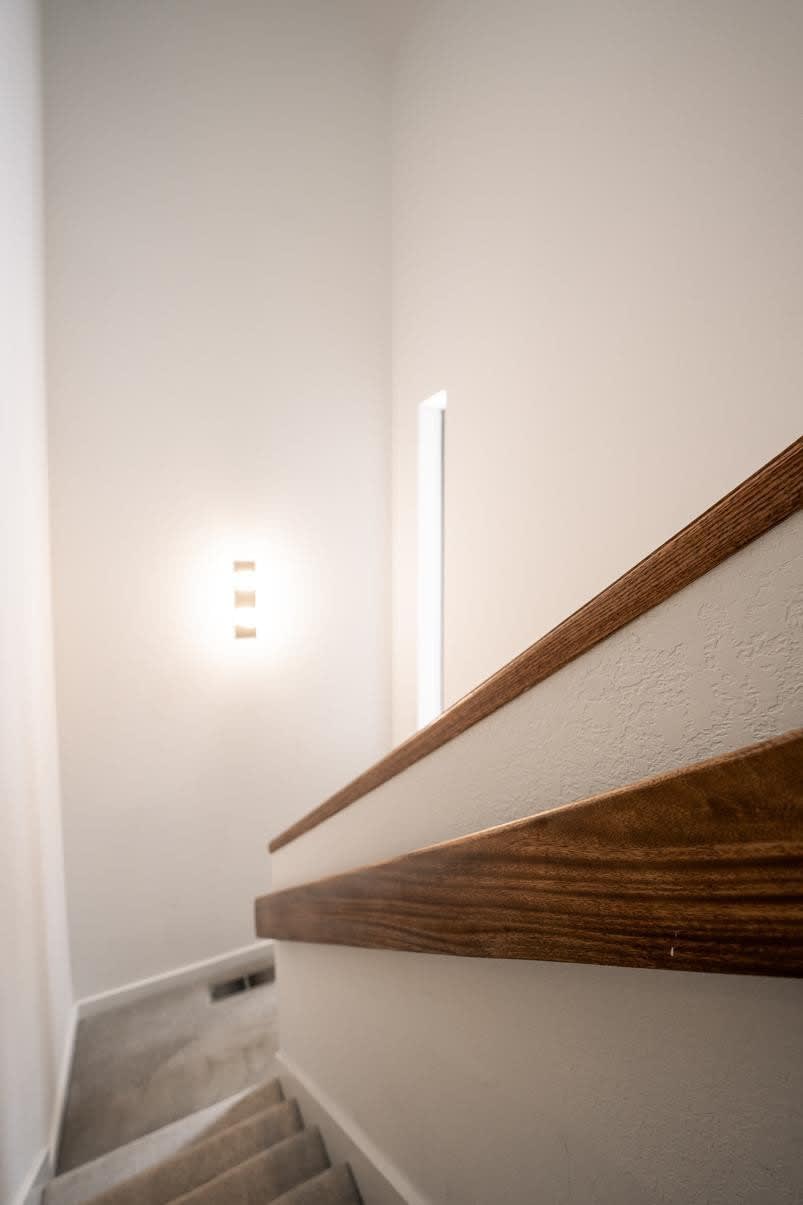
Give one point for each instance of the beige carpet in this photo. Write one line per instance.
(265, 1154)
(147, 1064)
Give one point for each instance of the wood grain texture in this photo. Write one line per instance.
(697, 870)
(767, 498)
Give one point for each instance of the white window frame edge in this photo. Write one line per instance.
(429, 645)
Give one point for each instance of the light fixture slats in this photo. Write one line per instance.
(245, 600)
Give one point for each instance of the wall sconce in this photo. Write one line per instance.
(245, 599)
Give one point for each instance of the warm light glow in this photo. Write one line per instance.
(290, 601)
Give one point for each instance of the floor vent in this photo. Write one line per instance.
(243, 983)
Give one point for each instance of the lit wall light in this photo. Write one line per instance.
(245, 599)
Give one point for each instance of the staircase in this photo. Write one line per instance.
(255, 1151)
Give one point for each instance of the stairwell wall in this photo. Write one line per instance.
(35, 985)
(218, 341)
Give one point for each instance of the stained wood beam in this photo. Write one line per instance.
(697, 870)
(767, 498)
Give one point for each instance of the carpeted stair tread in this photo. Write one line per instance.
(265, 1176)
(263, 1096)
(335, 1186)
(206, 1159)
(112, 1169)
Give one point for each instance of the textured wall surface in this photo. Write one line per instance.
(485, 1080)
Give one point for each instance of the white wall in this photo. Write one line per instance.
(481, 1080)
(597, 253)
(35, 989)
(218, 310)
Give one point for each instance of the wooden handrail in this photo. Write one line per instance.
(697, 870)
(761, 502)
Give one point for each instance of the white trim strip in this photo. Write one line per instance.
(89, 1006)
(62, 1086)
(430, 558)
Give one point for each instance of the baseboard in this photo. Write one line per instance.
(62, 1086)
(194, 972)
(379, 1181)
(30, 1190)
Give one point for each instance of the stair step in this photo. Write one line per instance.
(206, 1159)
(255, 1100)
(335, 1186)
(99, 1175)
(266, 1176)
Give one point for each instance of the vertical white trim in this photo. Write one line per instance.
(62, 1085)
(430, 558)
(30, 1191)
